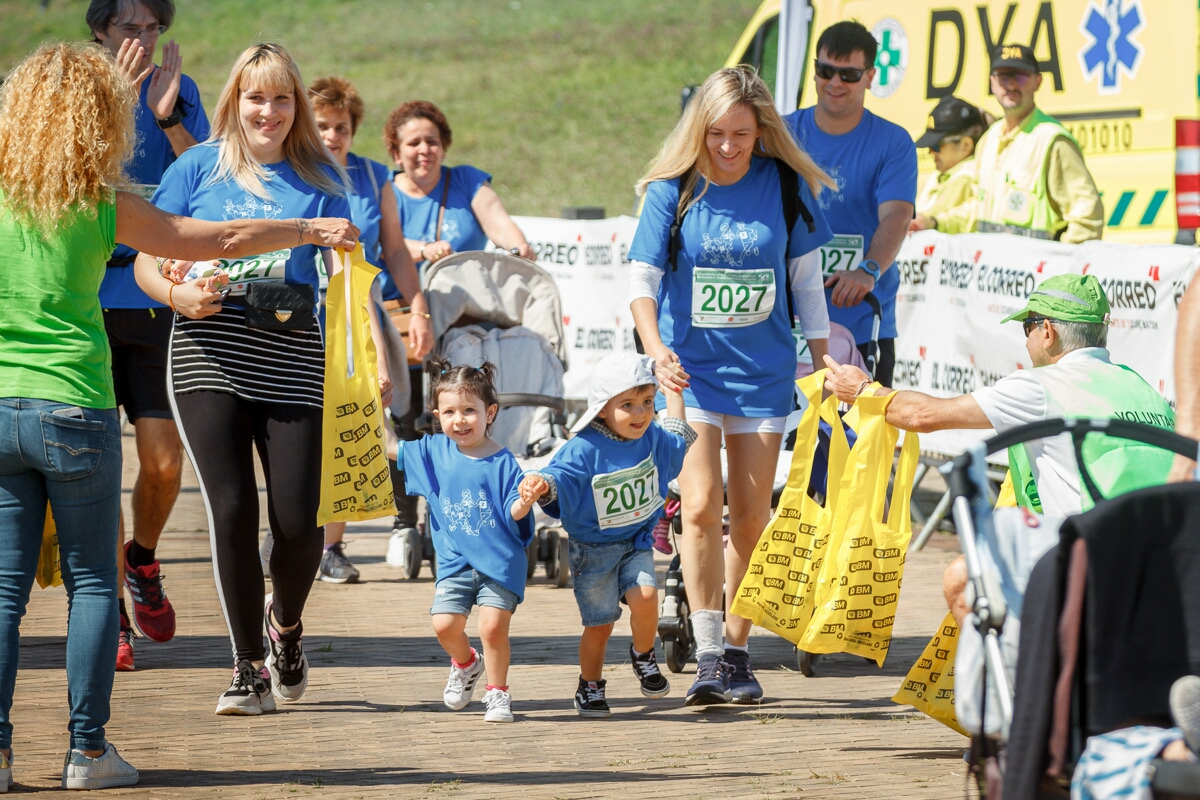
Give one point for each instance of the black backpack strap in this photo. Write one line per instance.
(674, 240)
(793, 209)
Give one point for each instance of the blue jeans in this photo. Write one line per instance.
(71, 458)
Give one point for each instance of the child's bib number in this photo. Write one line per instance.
(628, 495)
(731, 298)
(244, 271)
(843, 251)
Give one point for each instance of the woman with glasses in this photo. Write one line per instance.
(247, 371)
(948, 195)
(712, 307)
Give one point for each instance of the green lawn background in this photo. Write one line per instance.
(563, 102)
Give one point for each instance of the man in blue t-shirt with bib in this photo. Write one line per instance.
(169, 120)
(875, 165)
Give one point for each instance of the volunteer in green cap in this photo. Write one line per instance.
(1066, 329)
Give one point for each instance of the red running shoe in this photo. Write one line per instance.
(151, 609)
(125, 646)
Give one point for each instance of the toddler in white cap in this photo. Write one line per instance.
(608, 485)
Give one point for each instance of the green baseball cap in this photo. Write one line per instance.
(1070, 298)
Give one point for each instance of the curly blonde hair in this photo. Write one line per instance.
(685, 148)
(269, 67)
(66, 132)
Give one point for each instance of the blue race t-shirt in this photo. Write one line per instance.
(469, 502)
(151, 158)
(610, 491)
(418, 216)
(723, 310)
(872, 164)
(368, 178)
(187, 189)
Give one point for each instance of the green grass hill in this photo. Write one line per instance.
(563, 101)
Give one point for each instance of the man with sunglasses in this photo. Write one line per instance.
(1030, 176)
(1066, 329)
(170, 119)
(875, 166)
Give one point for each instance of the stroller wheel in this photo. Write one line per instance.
(551, 559)
(564, 563)
(675, 654)
(413, 551)
(806, 661)
(531, 557)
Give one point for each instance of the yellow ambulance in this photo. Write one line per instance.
(1121, 75)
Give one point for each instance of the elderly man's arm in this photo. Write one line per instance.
(1074, 193)
(910, 411)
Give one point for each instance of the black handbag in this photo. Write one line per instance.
(278, 306)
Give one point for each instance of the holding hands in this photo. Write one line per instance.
(668, 370)
(532, 487)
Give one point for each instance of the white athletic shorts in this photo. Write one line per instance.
(732, 424)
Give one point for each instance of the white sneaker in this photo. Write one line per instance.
(6, 780)
(103, 772)
(461, 683)
(499, 706)
(249, 695)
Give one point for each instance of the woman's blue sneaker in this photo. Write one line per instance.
(712, 682)
(743, 686)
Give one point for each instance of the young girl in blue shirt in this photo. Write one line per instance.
(480, 527)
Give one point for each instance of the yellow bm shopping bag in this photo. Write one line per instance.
(355, 480)
(777, 591)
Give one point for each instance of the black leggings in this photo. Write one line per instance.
(406, 504)
(218, 430)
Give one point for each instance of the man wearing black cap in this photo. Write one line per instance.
(1030, 177)
(954, 127)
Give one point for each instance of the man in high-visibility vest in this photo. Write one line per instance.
(1030, 177)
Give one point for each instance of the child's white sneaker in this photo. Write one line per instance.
(461, 683)
(102, 772)
(499, 706)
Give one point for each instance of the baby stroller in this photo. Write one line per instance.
(497, 307)
(1109, 620)
(674, 625)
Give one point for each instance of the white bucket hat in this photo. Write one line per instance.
(615, 374)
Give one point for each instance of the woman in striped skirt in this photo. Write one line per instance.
(237, 387)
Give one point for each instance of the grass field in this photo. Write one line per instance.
(563, 101)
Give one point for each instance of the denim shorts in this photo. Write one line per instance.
(461, 591)
(603, 573)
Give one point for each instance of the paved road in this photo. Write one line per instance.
(372, 725)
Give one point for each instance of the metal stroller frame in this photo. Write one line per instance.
(674, 624)
(966, 477)
(512, 302)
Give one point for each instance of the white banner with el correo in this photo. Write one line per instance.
(954, 290)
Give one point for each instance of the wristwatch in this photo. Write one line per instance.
(870, 267)
(171, 121)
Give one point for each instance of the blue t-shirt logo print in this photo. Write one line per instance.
(472, 515)
(721, 249)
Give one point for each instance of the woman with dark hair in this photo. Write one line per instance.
(442, 210)
(948, 196)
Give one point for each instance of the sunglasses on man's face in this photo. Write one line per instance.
(826, 72)
(1031, 323)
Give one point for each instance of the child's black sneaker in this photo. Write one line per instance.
(589, 699)
(654, 683)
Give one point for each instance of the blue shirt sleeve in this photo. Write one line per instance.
(174, 191)
(669, 450)
(802, 241)
(654, 226)
(571, 476)
(898, 170)
(194, 118)
(466, 179)
(417, 466)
